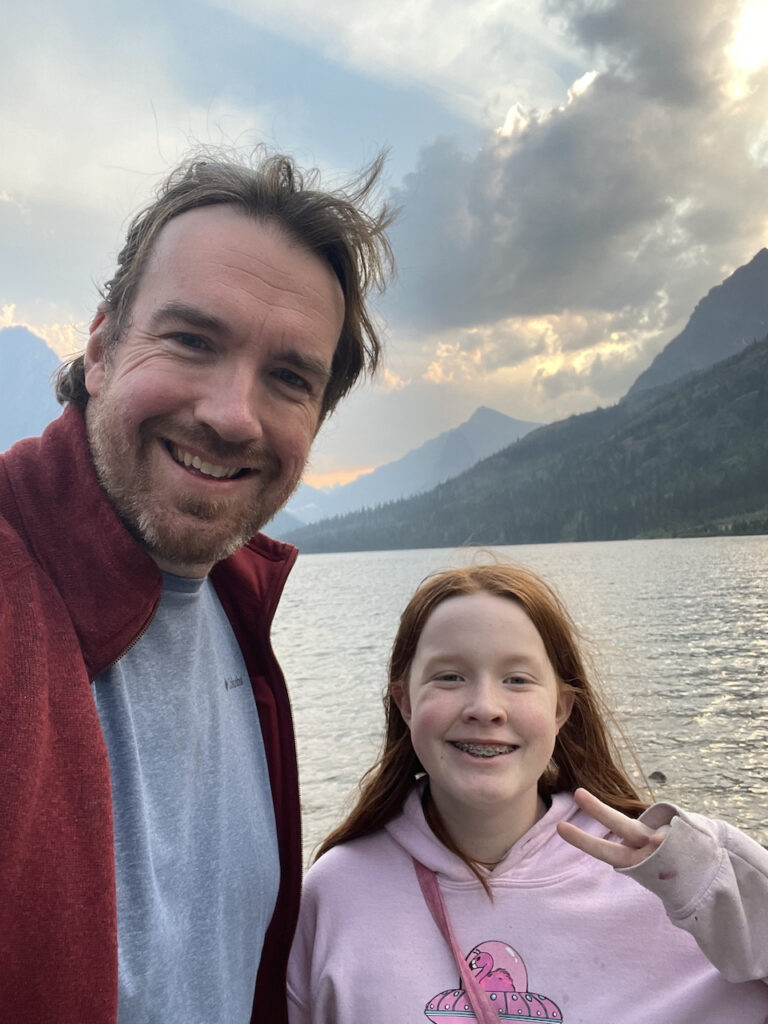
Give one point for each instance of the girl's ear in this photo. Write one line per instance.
(564, 707)
(399, 693)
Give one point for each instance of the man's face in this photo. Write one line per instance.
(201, 419)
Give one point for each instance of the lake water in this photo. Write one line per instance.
(679, 629)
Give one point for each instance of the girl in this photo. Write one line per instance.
(449, 894)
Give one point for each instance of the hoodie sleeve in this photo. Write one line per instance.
(713, 882)
(300, 966)
(313, 994)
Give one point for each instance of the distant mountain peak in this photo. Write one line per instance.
(683, 460)
(484, 412)
(731, 315)
(441, 458)
(26, 368)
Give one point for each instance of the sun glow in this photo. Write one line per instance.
(336, 476)
(749, 48)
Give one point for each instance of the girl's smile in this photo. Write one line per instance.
(485, 749)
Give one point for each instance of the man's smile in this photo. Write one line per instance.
(185, 458)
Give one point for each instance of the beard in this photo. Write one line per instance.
(184, 530)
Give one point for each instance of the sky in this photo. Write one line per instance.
(572, 175)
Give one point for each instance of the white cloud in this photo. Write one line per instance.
(552, 353)
(581, 85)
(387, 380)
(91, 121)
(8, 316)
(481, 57)
(65, 339)
(641, 184)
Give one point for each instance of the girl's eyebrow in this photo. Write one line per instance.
(522, 661)
(450, 659)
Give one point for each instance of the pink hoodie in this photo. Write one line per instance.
(565, 938)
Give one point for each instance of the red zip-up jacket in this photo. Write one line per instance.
(75, 592)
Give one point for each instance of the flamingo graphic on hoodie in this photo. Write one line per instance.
(502, 974)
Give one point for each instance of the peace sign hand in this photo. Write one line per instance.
(637, 841)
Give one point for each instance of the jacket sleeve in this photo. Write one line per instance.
(713, 881)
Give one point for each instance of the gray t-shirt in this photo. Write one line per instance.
(195, 842)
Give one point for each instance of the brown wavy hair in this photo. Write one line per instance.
(585, 753)
(334, 225)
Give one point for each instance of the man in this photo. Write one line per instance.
(150, 855)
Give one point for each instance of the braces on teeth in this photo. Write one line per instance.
(485, 751)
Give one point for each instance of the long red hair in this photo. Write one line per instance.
(585, 752)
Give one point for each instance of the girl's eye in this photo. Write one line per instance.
(515, 680)
(449, 677)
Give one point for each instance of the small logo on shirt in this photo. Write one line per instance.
(233, 683)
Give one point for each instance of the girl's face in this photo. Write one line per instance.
(484, 707)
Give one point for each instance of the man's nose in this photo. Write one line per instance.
(231, 406)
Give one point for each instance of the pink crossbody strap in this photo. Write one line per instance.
(476, 997)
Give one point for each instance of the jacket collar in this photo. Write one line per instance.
(110, 587)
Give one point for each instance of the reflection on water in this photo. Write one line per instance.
(679, 629)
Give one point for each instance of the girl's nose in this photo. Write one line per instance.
(486, 702)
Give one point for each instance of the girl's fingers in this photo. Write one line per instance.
(631, 831)
(637, 841)
(615, 854)
(618, 855)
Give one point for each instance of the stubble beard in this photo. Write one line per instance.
(196, 531)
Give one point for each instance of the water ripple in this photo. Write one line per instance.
(679, 627)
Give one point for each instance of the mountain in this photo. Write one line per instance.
(26, 367)
(688, 458)
(282, 524)
(730, 316)
(421, 469)
(306, 506)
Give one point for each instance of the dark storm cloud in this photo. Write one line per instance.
(642, 183)
(671, 49)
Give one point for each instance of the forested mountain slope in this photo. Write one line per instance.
(684, 459)
(731, 316)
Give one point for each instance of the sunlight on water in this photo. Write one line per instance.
(678, 627)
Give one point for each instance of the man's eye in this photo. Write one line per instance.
(190, 340)
(292, 379)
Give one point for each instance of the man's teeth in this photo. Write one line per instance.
(207, 468)
(485, 749)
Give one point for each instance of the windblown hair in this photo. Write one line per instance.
(585, 752)
(334, 225)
